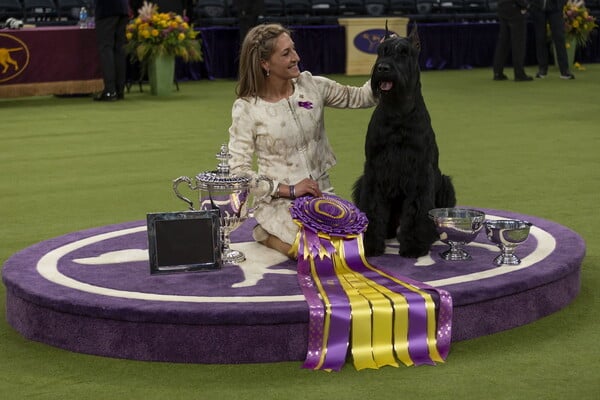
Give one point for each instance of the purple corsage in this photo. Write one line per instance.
(306, 104)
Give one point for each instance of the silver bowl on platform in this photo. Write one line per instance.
(507, 234)
(457, 227)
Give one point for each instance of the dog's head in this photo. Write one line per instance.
(396, 71)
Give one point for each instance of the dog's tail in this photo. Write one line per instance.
(445, 196)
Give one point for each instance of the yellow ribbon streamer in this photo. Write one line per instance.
(429, 306)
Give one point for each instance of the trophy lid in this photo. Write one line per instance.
(220, 178)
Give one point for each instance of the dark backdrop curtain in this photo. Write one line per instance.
(322, 48)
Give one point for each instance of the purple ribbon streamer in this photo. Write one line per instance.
(339, 311)
(444, 330)
(340, 314)
(316, 310)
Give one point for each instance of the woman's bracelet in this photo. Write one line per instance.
(292, 192)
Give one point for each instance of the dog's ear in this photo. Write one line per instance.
(414, 37)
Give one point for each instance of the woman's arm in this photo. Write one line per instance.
(242, 133)
(343, 96)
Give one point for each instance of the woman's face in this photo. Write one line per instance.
(283, 63)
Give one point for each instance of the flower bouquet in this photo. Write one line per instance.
(578, 22)
(153, 34)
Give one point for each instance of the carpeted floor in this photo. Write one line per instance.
(69, 164)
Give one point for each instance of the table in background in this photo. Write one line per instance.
(49, 60)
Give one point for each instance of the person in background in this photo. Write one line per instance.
(248, 12)
(277, 120)
(512, 15)
(550, 12)
(111, 17)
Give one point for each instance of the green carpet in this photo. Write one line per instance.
(68, 164)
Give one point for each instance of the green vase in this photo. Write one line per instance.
(571, 47)
(161, 74)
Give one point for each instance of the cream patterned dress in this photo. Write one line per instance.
(286, 141)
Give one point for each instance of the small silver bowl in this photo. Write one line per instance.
(507, 234)
(457, 227)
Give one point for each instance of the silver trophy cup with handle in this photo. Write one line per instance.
(225, 192)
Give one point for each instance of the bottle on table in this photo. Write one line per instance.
(83, 16)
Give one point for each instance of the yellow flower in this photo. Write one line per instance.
(152, 33)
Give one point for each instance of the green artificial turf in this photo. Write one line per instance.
(68, 164)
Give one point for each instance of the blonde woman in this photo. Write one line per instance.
(277, 126)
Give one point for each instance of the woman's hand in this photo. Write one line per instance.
(307, 186)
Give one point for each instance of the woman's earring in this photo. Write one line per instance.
(268, 73)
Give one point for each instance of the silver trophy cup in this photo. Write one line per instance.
(457, 227)
(507, 235)
(227, 193)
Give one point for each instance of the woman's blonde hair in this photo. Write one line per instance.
(258, 45)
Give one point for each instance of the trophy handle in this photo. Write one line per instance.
(176, 183)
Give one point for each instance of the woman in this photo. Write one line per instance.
(277, 119)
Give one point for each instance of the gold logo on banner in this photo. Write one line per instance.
(14, 57)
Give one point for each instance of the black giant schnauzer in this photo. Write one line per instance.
(401, 181)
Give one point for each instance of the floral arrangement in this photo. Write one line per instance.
(578, 21)
(152, 33)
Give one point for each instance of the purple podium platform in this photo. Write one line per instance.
(92, 292)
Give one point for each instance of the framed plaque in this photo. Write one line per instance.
(185, 241)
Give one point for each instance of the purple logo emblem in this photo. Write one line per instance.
(368, 41)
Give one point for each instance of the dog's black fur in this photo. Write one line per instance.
(401, 181)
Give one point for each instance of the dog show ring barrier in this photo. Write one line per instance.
(49, 60)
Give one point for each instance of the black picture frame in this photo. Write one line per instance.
(185, 241)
